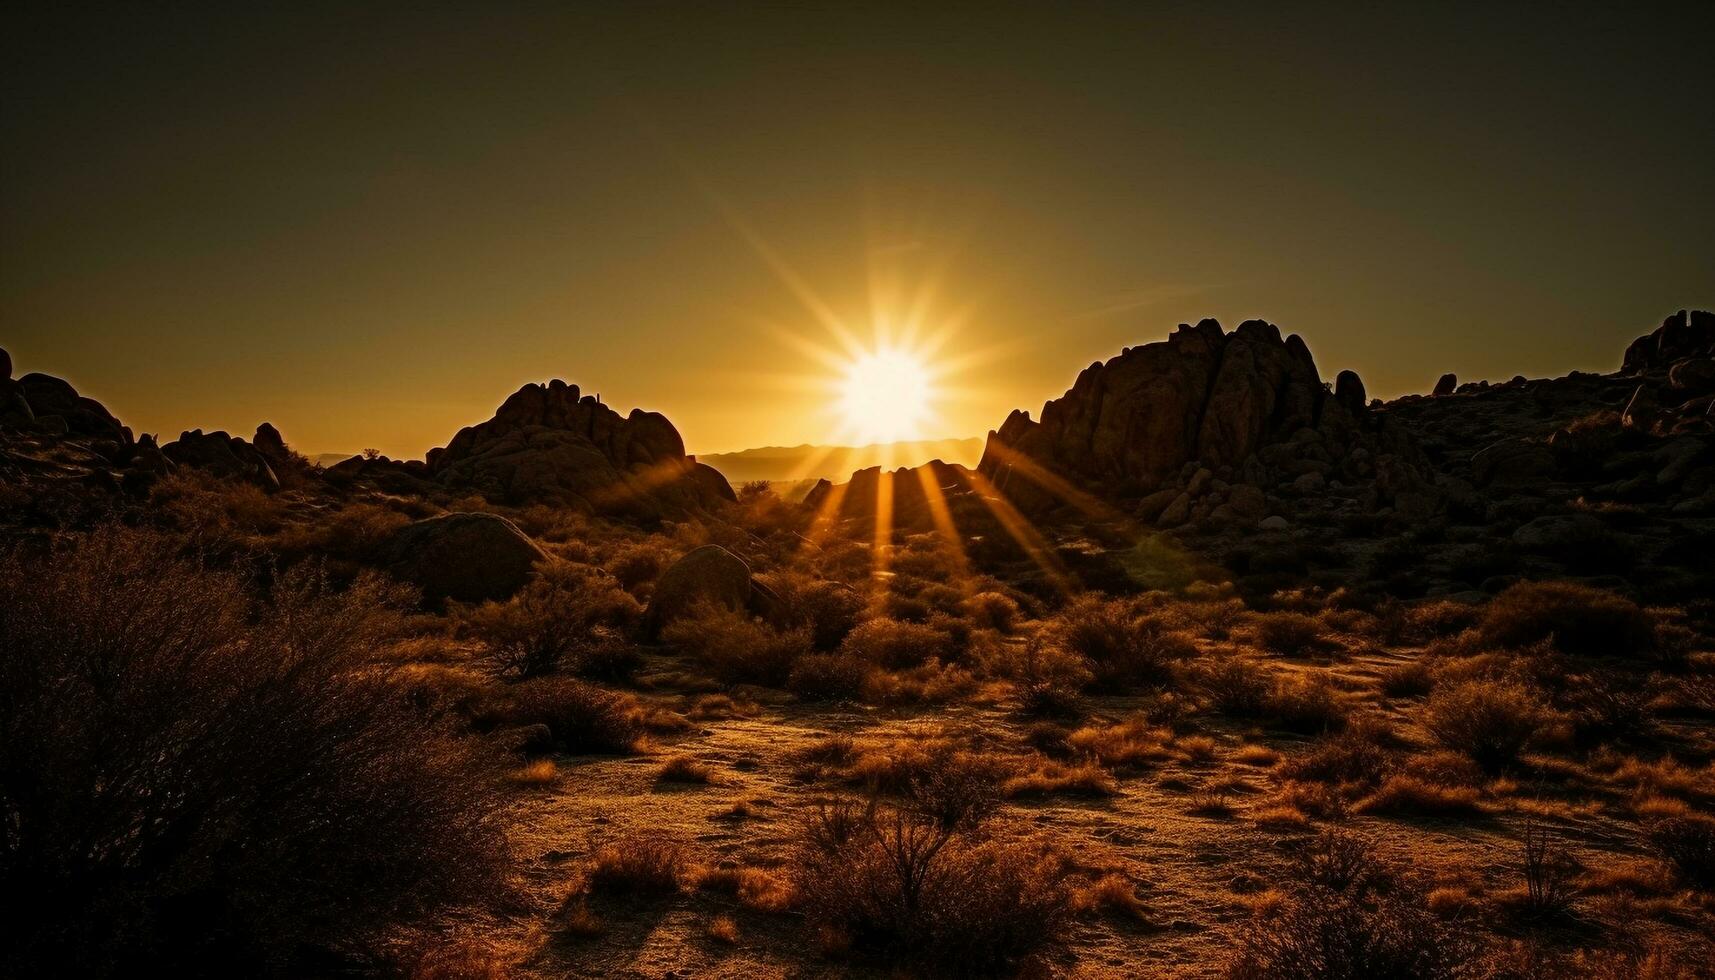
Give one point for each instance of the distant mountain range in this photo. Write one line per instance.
(778, 463)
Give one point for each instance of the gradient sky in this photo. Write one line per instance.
(370, 226)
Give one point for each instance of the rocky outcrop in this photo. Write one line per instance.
(551, 444)
(907, 489)
(463, 556)
(1686, 334)
(1198, 414)
(44, 403)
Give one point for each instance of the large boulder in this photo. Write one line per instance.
(38, 397)
(707, 574)
(551, 444)
(226, 456)
(464, 556)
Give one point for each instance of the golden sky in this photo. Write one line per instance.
(370, 226)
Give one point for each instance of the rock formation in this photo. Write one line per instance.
(1181, 422)
(550, 444)
(1686, 334)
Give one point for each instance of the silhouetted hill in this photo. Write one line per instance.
(782, 463)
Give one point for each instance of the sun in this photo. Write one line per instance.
(885, 395)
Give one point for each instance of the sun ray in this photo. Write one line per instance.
(942, 516)
(1019, 528)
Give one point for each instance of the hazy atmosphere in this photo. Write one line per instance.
(369, 226)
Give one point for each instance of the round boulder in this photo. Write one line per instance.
(468, 557)
(708, 573)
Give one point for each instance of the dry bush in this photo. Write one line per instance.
(911, 889)
(829, 677)
(1121, 646)
(1413, 678)
(638, 865)
(1492, 721)
(570, 616)
(1132, 742)
(1360, 755)
(892, 643)
(581, 717)
(1306, 705)
(1687, 842)
(828, 610)
(1606, 706)
(1582, 621)
(737, 648)
(1549, 872)
(1114, 894)
(1049, 680)
(1339, 861)
(930, 683)
(195, 780)
(1322, 934)
(992, 611)
(1290, 634)
(1235, 685)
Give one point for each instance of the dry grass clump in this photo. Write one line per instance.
(1581, 620)
(723, 929)
(581, 717)
(542, 772)
(737, 648)
(1405, 794)
(1112, 894)
(1491, 721)
(1055, 779)
(929, 683)
(1361, 755)
(209, 782)
(685, 769)
(906, 888)
(754, 888)
(1132, 742)
(1306, 705)
(638, 865)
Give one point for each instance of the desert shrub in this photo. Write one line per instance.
(1289, 634)
(1688, 844)
(195, 779)
(1358, 755)
(1410, 794)
(1607, 706)
(930, 683)
(570, 615)
(1339, 861)
(1122, 647)
(893, 643)
(1491, 721)
(1048, 679)
(637, 565)
(737, 648)
(910, 888)
(1322, 934)
(828, 677)
(955, 790)
(638, 865)
(1306, 705)
(828, 610)
(1234, 685)
(1413, 678)
(581, 717)
(1582, 621)
(992, 610)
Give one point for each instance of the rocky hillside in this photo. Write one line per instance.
(65, 458)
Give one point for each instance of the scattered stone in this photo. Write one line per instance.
(471, 557)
